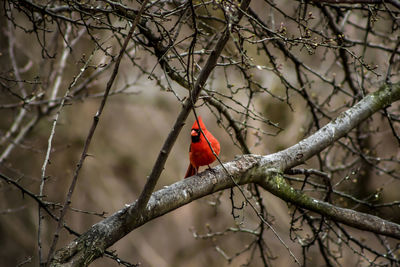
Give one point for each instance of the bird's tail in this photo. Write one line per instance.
(192, 170)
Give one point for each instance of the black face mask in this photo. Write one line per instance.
(196, 138)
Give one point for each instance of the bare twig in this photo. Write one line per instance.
(50, 140)
(187, 106)
(91, 133)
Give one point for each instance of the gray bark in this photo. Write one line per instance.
(264, 170)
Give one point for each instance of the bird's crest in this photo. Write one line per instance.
(196, 126)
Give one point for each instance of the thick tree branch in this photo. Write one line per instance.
(336, 129)
(276, 184)
(265, 170)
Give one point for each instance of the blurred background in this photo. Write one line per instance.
(274, 112)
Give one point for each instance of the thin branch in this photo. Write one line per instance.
(367, 2)
(186, 108)
(87, 144)
(50, 140)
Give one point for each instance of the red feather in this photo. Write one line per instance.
(200, 153)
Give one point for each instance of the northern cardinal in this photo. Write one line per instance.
(200, 153)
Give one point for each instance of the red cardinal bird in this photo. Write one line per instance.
(200, 153)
